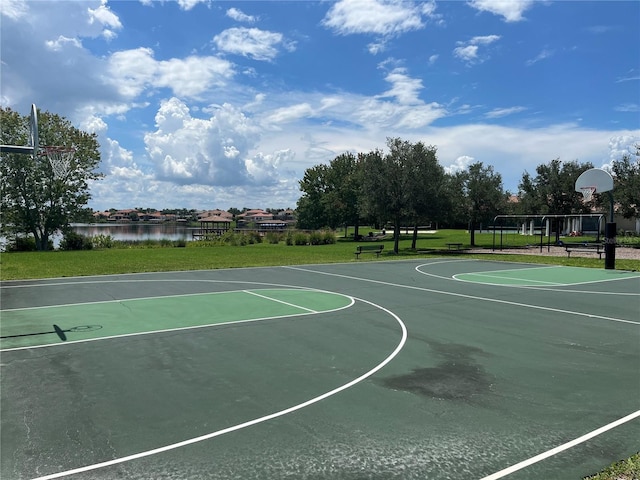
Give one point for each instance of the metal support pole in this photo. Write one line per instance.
(610, 239)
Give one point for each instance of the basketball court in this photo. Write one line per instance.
(440, 369)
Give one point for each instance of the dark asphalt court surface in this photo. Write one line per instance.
(433, 369)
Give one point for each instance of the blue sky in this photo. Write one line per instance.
(213, 104)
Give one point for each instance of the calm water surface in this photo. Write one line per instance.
(136, 231)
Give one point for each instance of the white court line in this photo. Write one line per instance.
(160, 297)
(561, 448)
(166, 330)
(279, 301)
(471, 297)
(250, 423)
(486, 275)
(531, 287)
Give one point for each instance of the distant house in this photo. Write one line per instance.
(254, 217)
(121, 215)
(287, 215)
(215, 213)
(212, 225)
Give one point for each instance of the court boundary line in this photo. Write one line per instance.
(561, 448)
(471, 297)
(255, 421)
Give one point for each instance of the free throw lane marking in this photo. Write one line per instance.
(163, 314)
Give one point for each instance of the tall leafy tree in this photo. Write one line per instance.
(33, 200)
(310, 210)
(483, 195)
(403, 185)
(626, 190)
(330, 194)
(552, 190)
(341, 201)
(427, 200)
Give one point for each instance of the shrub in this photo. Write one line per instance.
(75, 241)
(289, 237)
(23, 244)
(102, 241)
(315, 238)
(254, 237)
(328, 237)
(180, 243)
(273, 238)
(300, 238)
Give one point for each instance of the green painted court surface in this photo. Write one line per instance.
(33, 327)
(546, 276)
(441, 369)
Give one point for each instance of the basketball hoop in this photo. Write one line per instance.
(60, 160)
(587, 193)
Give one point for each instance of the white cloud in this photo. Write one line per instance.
(105, 17)
(61, 42)
(240, 16)
(378, 17)
(14, 9)
(469, 51)
(544, 54)
(189, 4)
(133, 71)
(503, 112)
(404, 88)
(208, 151)
(460, 164)
(510, 10)
(621, 145)
(290, 113)
(251, 42)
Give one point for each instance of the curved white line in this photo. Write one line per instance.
(560, 448)
(250, 422)
(532, 287)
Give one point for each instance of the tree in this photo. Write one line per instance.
(310, 209)
(330, 194)
(33, 201)
(483, 194)
(626, 190)
(341, 201)
(403, 185)
(425, 184)
(552, 190)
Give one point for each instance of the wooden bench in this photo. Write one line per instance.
(454, 246)
(377, 249)
(585, 247)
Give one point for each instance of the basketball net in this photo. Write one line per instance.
(587, 193)
(60, 160)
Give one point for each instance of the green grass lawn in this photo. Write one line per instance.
(198, 256)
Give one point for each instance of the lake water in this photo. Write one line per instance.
(136, 231)
(126, 231)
